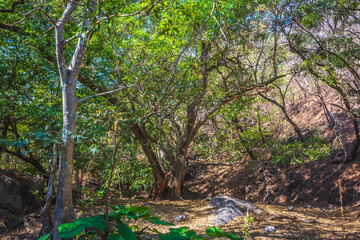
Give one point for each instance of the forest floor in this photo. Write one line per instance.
(300, 223)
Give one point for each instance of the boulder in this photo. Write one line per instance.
(8, 220)
(16, 193)
(227, 208)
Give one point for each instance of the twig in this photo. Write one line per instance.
(104, 93)
(25, 16)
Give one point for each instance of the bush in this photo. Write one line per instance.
(298, 152)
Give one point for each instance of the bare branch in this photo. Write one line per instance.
(25, 16)
(140, 12)
(52, 21)
(104, 93)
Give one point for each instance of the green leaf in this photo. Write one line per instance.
(100, 222)
(45, 237)
(180, 234)
(216, 232)
(69, 230)
(157, 221)
(125, 231)
(113, 236)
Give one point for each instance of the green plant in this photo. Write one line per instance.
(184, 234)
(297, 152)
(128, 223)
(87, 198)
(122, 223)
(246, 227)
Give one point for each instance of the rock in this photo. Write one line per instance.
(310, 221)
(16, 193)
(182, 218)
(147, 204)
(270, 229)
(290, 207)
(8, 220)
(227, 208)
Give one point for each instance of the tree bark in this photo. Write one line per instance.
(176, 179)
(46, 221)
(64, 210)
(160, 178)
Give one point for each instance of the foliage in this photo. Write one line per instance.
(184, 234)
(246, 227)
(298, 152)
(128, 223)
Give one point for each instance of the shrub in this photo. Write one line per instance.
(297, 152)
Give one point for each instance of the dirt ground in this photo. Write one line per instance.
(300, 223)
(315, 183)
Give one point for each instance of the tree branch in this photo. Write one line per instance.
(104, 93)
(13, 6)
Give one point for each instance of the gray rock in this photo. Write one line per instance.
(227, 208)
(291, 207)
(270, 229)
(15, 193)
(182, 217)
(8, 220)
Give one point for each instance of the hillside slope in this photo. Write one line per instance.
(314, 182)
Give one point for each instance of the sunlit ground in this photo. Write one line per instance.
(300, 223)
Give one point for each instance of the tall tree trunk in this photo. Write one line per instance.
(64, 211)
(354, 118)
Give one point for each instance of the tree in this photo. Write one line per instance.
(323, 36)
(177, 86)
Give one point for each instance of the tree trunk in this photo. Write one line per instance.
(64, 211)
(329, 117)
(160, 178)
(176, 179)
(296, 128)
(239, 130)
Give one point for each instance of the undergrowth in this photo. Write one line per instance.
(130, 223)
(298, 152)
